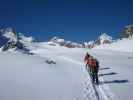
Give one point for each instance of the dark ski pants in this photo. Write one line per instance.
(95, 77)
(93, 74)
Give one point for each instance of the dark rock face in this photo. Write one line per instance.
(127, 31)
(10, 40)
(3, 40)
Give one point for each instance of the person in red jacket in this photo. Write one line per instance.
(87, 56)
(92, 66)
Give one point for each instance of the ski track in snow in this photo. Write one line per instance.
(107, 94)
(93, 92)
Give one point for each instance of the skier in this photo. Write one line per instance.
(86, 59)
(92, 66)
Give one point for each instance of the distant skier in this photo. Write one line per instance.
(92, 66)
(87, 56)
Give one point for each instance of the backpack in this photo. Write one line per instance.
(93, 64)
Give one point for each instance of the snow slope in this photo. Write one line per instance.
(24, 77)
(58, 73)
(116, 73)
(124, 45)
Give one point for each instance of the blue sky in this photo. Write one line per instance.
(77, 20)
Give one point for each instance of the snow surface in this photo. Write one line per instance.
(124, 45)
(58, 73)
(26, 77)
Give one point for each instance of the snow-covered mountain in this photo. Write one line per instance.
(7, 35)
(24, 38)
(124, 44)
(62, 42)
(11, 41)
(90, 44)
(104, 38)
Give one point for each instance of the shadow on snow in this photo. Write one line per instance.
(111, 81)
(115, 81)
(111, 73)
(104, 68)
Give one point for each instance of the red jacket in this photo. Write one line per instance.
(91, 62)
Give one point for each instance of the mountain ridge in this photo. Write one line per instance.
(11, 40)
